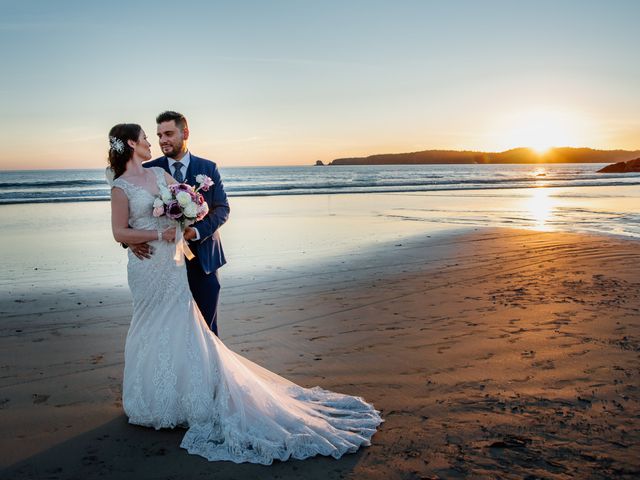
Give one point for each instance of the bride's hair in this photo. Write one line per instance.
(119, 151)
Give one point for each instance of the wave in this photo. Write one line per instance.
(501, 183)
(320, 190)
(90, 185)
(50, 183)
(20, 201)
(313, 190)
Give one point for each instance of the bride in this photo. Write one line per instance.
(178, 373)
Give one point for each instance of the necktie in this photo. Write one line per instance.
(178, 175)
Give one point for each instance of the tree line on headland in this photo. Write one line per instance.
(516, 155)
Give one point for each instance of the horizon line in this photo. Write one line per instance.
(328, 163)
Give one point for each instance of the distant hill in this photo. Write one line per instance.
(516, 155)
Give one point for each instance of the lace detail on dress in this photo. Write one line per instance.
(177, 372)
(141, 203)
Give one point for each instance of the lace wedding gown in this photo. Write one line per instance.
(178, 373)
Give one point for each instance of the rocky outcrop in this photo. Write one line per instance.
(319, 163)
(622, 167)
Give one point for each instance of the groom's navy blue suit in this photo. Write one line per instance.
(209, 256)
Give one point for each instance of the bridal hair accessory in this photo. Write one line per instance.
(116, 144)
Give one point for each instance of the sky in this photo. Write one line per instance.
(276, 82)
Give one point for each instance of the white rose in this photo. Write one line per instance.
(183, 198)
(200, 178)
(191, 210)
(165, 194)
(158, 203)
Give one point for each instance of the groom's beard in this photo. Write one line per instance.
(174, 152)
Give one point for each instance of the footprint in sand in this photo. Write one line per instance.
(522, 380)
(96, 359)
(544, 364)
(312, 339)
(486, 357)
(39, 398)
(578, 354)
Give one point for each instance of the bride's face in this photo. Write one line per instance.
(142, 147)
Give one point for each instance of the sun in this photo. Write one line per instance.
(541, 130)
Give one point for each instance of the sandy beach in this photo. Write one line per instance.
(492, 353)
(433, 206)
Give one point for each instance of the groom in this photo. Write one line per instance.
(203, 236)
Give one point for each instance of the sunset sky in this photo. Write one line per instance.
(290, 82)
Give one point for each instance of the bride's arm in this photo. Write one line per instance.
(120, 222)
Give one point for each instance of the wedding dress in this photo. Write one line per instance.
(178, 373)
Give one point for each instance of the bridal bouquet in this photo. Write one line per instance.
(185, 205)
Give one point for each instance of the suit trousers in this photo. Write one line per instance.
(206, 292)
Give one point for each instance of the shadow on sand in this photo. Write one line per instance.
(120, 450)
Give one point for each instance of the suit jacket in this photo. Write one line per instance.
(208, 250)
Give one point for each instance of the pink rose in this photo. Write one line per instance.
(205, 182)
(180, 187)
(208, 184)
(158, 211)
(202, 211)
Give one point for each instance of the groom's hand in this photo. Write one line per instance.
(141, 250)
(189, 233)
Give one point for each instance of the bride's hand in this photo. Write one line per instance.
(169, 235)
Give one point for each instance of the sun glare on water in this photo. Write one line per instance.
(540, 207)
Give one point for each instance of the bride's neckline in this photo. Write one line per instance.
(140, 187)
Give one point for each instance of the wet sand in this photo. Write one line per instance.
(494, 353)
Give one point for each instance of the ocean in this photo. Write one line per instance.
(574, 197)
(56, 225)
(52, 186)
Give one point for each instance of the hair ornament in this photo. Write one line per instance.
(116, 144)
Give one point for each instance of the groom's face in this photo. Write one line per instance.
(172, 139)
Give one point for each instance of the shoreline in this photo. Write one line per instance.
(69, 186)
(602, 209)
(489, 352)
(389, 191)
